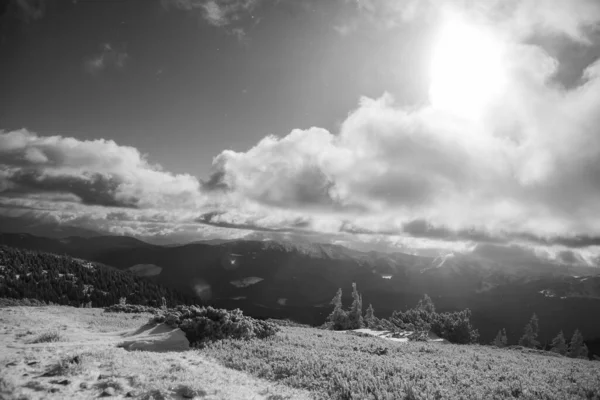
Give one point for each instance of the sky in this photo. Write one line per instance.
(401, 125)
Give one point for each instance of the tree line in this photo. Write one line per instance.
(455, 327)
(64, 280)
(575, 348)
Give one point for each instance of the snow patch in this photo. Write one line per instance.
(547, 293)
(87, 289)
(401, 337)
(245, 282)
(160, 338)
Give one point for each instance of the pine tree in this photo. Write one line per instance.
(501, 340)
(338, 319)
(370, 316)
(337, 299)
(529, 338)
(426, 304)
(577, 349)
(355, 313)
(559, 345)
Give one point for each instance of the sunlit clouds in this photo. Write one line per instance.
(498, 154)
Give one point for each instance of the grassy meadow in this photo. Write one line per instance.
(334, 365)
(65, 352)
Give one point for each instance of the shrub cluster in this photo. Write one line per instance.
(287, 322)
(337, 366)
(4, 302)
(206, 324)
(131, 309)
(453, 326)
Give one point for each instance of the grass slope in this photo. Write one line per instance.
(336, 365)
(87, 363)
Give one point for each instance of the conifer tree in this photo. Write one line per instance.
(577, 349)
(559, 344)
(338, 319)
(529, 338)
(501, 340)
(370, 316)
(426, 304)
(355, 313)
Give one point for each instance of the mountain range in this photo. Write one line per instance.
(281, 279)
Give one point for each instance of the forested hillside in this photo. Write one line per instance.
(68, 281)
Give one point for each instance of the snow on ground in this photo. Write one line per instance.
(403, 335)
(159, 338)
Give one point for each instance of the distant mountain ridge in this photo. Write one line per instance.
(297, 280)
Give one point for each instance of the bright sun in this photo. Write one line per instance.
(466, 70)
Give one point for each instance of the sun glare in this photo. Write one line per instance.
(466, 69)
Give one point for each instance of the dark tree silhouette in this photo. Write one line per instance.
(577, 349)
(559, 344)
(501, 340)
(529, 338)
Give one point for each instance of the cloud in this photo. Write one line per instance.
(219, 13)
(108, 58)
(227, 220)
(521, 18)
(97, 172)
(530, 165)
(527, 171)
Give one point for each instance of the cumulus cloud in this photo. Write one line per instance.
(108, 58)
(97, 172)
(520, 18)
(529, 166)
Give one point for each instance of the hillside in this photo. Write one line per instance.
(298, 280)
(64, 280)
(81, 359)
(87, 361)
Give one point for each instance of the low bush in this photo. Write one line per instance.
(7, 302)
(453, 326)
(342, 366)
(206, 324)
(47, 337)
(287, 322)
(131, 309)
(65, 367)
